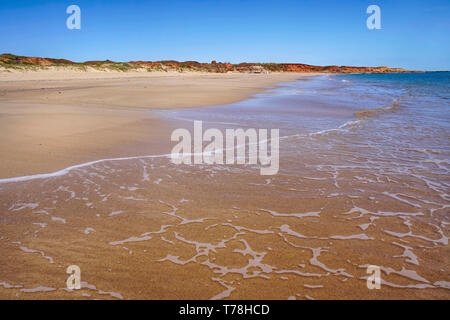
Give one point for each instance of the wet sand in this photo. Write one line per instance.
(52, 120)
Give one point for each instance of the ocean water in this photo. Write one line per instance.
(363, 180)
(402, 118)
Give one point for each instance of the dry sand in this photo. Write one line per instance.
(53, 119)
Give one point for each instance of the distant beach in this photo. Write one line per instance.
(363, 180)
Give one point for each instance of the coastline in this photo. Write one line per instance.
(53, 120)
(344, 199)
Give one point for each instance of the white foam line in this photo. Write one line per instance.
(340, 128)
(68, 169)
(169, 115)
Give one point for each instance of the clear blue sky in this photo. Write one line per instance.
(414, 34)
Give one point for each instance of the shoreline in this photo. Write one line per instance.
(136, 226)
(52, 124)
(151, 91)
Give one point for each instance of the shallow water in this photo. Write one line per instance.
(363, 180)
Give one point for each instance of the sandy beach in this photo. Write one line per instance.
(362, 182)
(50, 120)
(250, 152)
